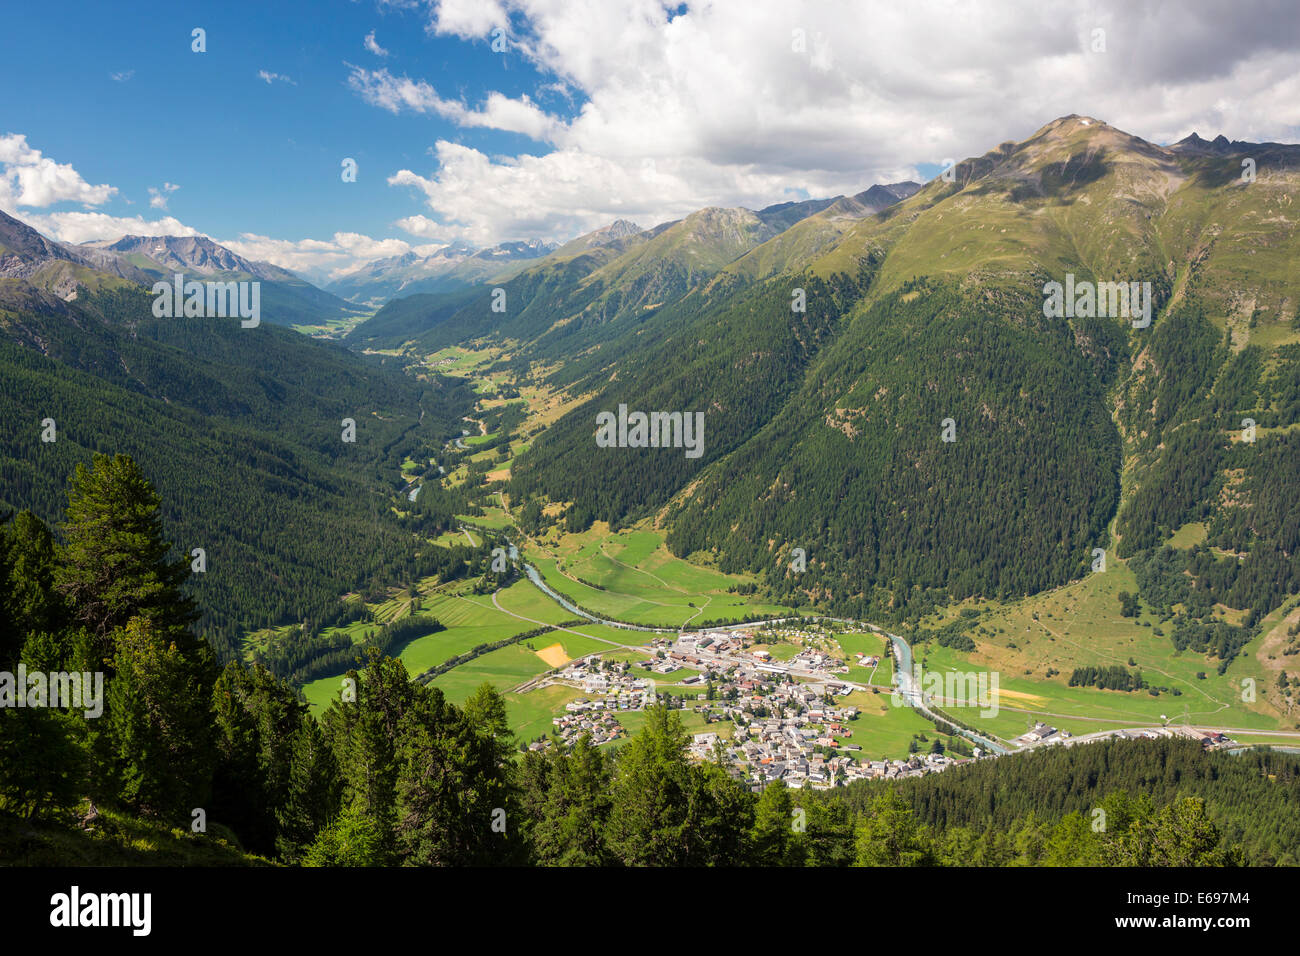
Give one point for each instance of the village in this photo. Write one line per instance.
(787, 719)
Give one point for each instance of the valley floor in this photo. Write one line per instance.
(1031, 646)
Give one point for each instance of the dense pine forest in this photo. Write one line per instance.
(894, 519)
(888, 513)
(228, 760)
(242, 430)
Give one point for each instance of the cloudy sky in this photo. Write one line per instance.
(490, 120)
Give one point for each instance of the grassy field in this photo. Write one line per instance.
(692, 723)
(459, 361)
(882, 730)
(493, 519)
(675, 677)
(530, 713)
(871, 644)
(1025, 699)
(470, 620)
(473, 619)
(630, 576)
(505, 668)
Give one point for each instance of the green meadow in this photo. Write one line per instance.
(882, 730)
(692, 723)
(470, 620)
(504, 668)
(630, 576)
(871, 644)
(530, 713)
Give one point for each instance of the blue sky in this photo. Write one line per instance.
(248, 155)
(597, 109)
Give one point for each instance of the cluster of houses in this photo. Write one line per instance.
(612, 689)
(611, 683)
(810, 749)
(786, 729)
(1044, 734)
(786, 718)
(584, 717)
(816, 660)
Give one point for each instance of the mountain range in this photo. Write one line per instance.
(831, 345)
(615, 273)
(458, 266)
(454, 266)
(825, 425)
(49, 268)
(47, 272)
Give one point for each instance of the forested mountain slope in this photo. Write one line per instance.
(612, 283)
(241, 429)
(825, 427)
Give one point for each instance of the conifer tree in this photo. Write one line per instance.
(651, 811)
(158, 734)
(114, 563)
(891, 835)
(312, 797)
(773, 834)
(28, 601)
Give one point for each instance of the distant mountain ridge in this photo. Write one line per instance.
(48, 273)
(195, 253)
(453, 267)
(44, 273)
(585, 289)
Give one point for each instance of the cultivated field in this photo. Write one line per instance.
(1080, 625)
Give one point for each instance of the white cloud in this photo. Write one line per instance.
(421, 226)
(485, 200)
(123, 76)
(373, 45)
(317, 258)
(273, 77)
(380, 88)
(395, 94)
(158, 197)
(736, 107)
(29, 179)
(468, 18)
(514, 116)
(84, 226)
